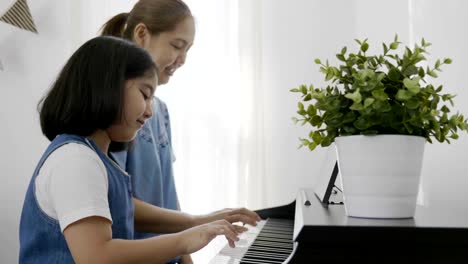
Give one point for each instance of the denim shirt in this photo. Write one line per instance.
(149, 161)
(41, 240)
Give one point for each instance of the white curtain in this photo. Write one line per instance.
(213, 102)
(212, 112)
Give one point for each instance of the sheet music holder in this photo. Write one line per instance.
(325, 189)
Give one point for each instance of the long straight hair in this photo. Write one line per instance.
(88, 93)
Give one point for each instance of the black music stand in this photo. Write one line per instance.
(325, 189)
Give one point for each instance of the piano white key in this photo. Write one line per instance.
(220, 259)
(268, 242)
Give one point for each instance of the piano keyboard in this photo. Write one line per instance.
(269, 242)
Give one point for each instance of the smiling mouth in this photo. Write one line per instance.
(142, 123)
(170, 71)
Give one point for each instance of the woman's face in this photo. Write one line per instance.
(169, 49)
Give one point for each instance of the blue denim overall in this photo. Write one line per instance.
(41, 240)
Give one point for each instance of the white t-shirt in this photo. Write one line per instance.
(72, 184)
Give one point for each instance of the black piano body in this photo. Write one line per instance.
(324, 234)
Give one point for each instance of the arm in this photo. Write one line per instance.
(90, 241)
(150, 218)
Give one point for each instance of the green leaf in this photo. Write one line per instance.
(350, 129)
(394, 74)
(349, 117)
(334, 120)
(413, 103)
(326, 141)
(385, 48)
(432, 74)
(379, 94)
(361, 124)
(364, 47)
(394, 45)
(382, 106)
(294, 90)
(357, 107)
(445, 109)
(311, 110)
(317, 61)
(312, 146)
(356, 96)
(403, 95)
(368, 102)
(316, 137)
(316, 121)
(410, 70)
(412, 85)
(380, 77)
(447, 61)
(343, 50)
(300, 106)
(421, 72)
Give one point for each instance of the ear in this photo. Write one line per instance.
(141, 35)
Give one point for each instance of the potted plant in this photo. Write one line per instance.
(379, 110)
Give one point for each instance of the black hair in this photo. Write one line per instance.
(88, 93)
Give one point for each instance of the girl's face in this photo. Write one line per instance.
(137, 108)
(169, 49)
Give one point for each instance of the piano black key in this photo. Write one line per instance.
(266, 248)
(264, 261)
(265, 255)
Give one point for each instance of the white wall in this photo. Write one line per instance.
(296, 32)
(30, 63)
(444, 24)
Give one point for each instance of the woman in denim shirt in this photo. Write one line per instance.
(165, 28)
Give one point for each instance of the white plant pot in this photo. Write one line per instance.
(380, 174)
